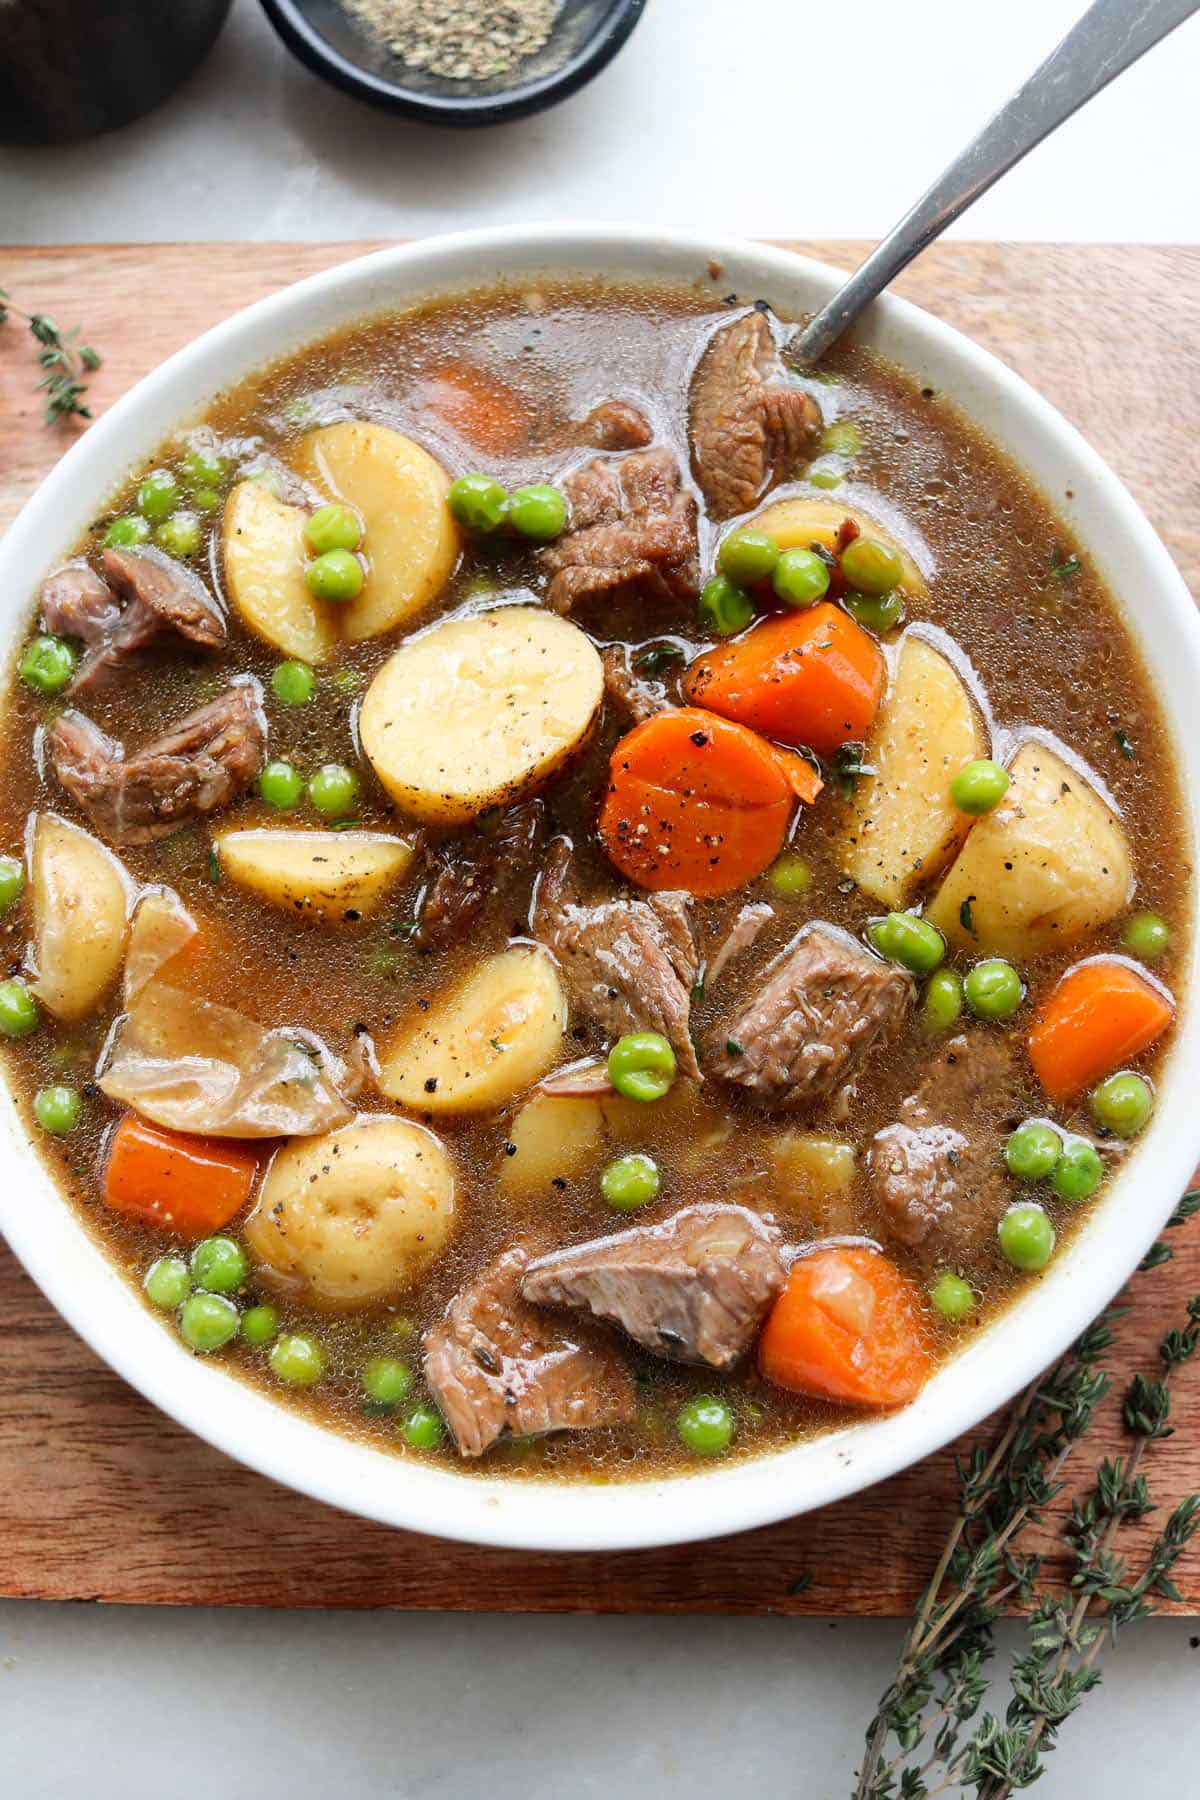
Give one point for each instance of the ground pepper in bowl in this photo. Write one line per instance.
(462, 40)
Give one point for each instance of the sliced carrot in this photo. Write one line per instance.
(480, 407)
(694, 802)
(182, 1184)
(848, 1326)
(813, 678)
(1100, 1016)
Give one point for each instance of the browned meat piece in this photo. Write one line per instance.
(201, 764)
(176, 597)
(938, 1174)
(820, 1012)
(469, 869)
(616, 425)
(695, 1288)
(157, 595)
(495, 1365)
(635, 697)
(76, 602)
(632, 525)
(750, 922)
(750, 426)
(629, 965)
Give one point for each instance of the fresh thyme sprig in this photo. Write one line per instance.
(63, 361)
(941, 1681)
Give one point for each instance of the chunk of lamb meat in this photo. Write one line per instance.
(632, 525)
(750, 426)
(628, 965)
(635, 698)
(695, 1288)
(820, 1012)
(468, 870)
(615, 425)
(204, 762)
(145, 593)
(78, 603)
(938, 1174)
(495, 1364)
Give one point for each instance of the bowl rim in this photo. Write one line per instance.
(293, 25)
(75, 1274)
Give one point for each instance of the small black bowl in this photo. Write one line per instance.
(586, 36)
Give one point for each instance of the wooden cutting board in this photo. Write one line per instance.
(101, 1497)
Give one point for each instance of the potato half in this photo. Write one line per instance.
(399, 491)
(902, 828)
(265, 557)
(331, 875)
(802, 521)
(355, 1216)
(1050, 865)
(478, 711)
(80, 895)
(484, 1042)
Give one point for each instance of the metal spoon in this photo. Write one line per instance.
(1111, 35)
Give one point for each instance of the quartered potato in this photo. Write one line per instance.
(1048, 866)
(326, 874)
(557, 1136)
(265, 557)
(902, 827)
(484, 1042)
(478, 711)
(802, 521)
(80, 895)
(814, 1179)
(354, 1217)
(399, 491)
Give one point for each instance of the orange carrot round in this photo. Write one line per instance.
(480, 407)
(694, 802)
(813, 678)
(848, 1326)
(182, 1184)
(1100, 1016)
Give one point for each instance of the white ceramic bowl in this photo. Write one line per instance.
(70, 1268)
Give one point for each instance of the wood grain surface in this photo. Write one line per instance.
(101, 1497)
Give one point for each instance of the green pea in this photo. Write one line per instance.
(843, 438)
(705, 1425)
(1033, 1150)
(58, 1109)
(19, 1012)
(12, 883)
(871, 567)
(386, 1381)
(1123, 1105)
(952, 1297)
(790, 876)
(1078, 1171)
(824, 478)
(1026, 1236)
(127, 531)
(158, 494)
(942, 1001)
(423, 1428)
(259, 1325)
(630, 1181)
(218, 1265)
(641, 1065)
(538, 512)
(747, 556)
(333, 790)
(1146, 935)
(47, 664)
(180, 535)
(724, 607)
(297, 1359)
(281, 785)
(909, 940)
(875, 612)
(979, 786)
(294, 683)
(333, 527)
(336, 575)
(993, 989)
(478, 503)
(206, 499)
(167, 1283)
(800, 577)
(206, 1321)
(204, 468)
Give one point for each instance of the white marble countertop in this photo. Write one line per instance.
(770, 118)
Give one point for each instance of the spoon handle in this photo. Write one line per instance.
(1110, 36)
